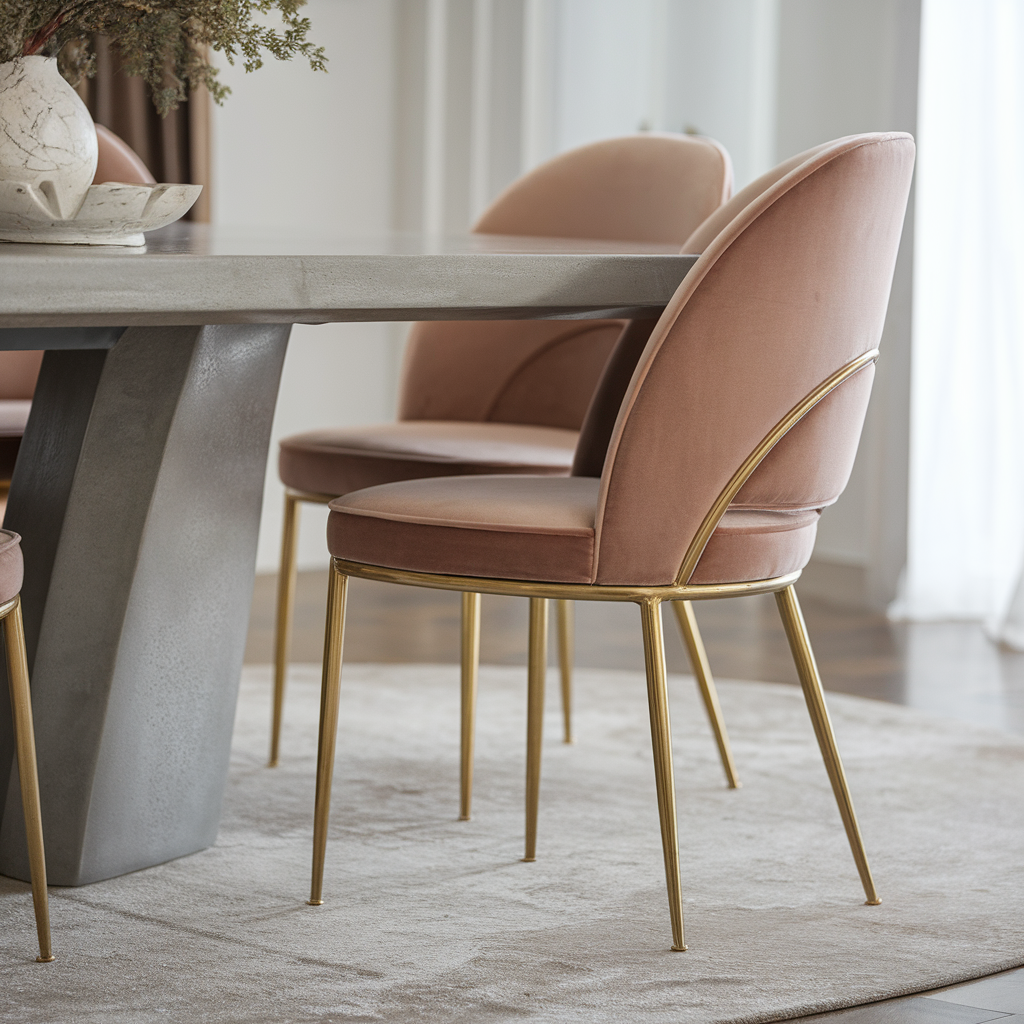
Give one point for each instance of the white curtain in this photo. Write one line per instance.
(966, 522)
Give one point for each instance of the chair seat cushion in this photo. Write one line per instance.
(757, 545)
(536, 528)
(12, 566)
(348, 459)
(504, 527)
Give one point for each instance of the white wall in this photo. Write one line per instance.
(294, 148)
(604, 76)
(720, 77)
(845, 68)
(707, 66)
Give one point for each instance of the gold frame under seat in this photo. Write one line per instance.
(650, 600)
(25, 744)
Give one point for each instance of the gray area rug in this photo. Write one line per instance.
(431, 919)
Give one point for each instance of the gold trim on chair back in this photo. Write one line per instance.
(755, 458)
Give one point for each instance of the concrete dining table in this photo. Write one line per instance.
(139, 485)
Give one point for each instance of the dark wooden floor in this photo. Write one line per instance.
(948, 668)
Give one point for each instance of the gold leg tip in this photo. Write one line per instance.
(736, 784)
(45, 959)
(272, 764)
(680, 949)
(527, 860)
(873, 903)
(315, 903)
(465, 817)
(569, 739)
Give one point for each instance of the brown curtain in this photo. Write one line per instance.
(175, 148)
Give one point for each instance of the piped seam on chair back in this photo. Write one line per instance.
(755, 458)
(541, 352)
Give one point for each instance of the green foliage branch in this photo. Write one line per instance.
(165, 42)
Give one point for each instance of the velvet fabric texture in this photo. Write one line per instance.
(118, 161)
(519, 527)
(334, 462)
(12, 565)
(709, 230)
(536, 374)
(792, 289)
(618, 370)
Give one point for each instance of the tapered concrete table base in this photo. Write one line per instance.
(138, 494)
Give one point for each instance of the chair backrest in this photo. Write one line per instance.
(596, 430)
(709, 230)
(642, 188)
(792, 290)
(117, 162)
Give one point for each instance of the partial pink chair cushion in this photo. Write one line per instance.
(12, 566)
(118, 161)
(14, 416)
(18, 374)
(540, 372)
(339, 461)
(710, 229)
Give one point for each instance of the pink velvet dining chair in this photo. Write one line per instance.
(507, 396)
(19, 371)
(739, 425)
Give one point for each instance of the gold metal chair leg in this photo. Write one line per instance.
(702, 670)
(334, 639)
(566, 652)
(538, 658)
(470, 673)
(664, 776)
(21, 710)
(803, 655)
(285, 607)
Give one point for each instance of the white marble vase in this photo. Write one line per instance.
(47, 138)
